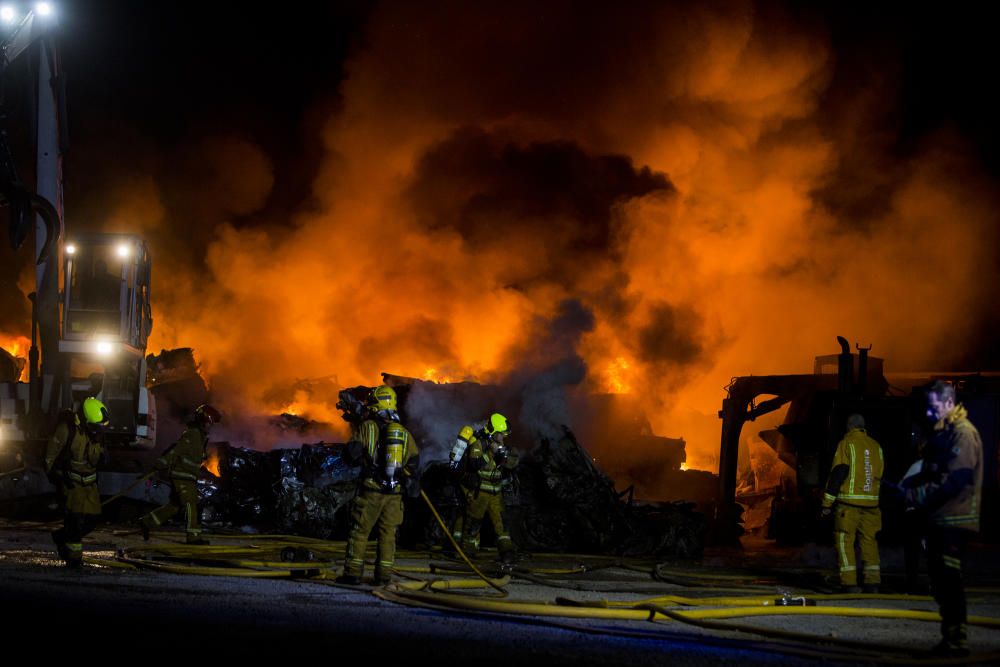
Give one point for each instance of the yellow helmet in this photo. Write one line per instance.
(94, 412)
(498, 424)
(382, 398)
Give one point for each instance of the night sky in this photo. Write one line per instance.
(475, 188)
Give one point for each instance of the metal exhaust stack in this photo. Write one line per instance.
(845, 367)
(862, 385)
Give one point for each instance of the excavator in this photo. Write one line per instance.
(817, 405)
(90, 311)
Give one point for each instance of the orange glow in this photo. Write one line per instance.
(617, 374)
(306, 407)
(18, 346)
(437, 376)
(212, 462)
(740, 268)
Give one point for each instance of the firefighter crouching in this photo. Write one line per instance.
(71, 459)
(480, 453)
(388, 455)
(181, 462)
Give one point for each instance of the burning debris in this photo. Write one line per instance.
(557, 499)
(11, 366)
(298, 491)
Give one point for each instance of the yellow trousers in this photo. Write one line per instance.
(371, 507)
(862, 523)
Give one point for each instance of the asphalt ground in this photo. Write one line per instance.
(141, 613)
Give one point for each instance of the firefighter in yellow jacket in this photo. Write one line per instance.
(481, 454)
(182, 462)
(388, 455)
(852, 492)
(71, 459)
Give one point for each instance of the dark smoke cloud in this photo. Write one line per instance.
(633, 196)
(672, 335)
(549, 340)
(475, 179)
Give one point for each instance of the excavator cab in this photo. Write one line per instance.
(106, 295)
(106, 322)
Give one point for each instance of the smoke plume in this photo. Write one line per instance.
(643, 197)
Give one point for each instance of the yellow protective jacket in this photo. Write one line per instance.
(73, 456)
(856, 473)
(950, 485)
(184, 459)
(484, 468)
(388, 454)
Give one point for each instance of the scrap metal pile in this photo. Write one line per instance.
(557, 499)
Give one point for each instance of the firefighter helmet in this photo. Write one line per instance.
(497, 424)
(94, 412)
(207, 415)
(382, 398)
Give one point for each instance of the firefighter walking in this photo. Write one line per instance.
(387, 454)
(181, 463)
(480, 453)
(852, 495)
(71, 459)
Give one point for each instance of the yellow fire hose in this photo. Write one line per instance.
(458, 548)
(764, 601)
(434, 594)
(706, 618)
(450, 584)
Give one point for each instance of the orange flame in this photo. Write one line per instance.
(212, 462)
(18, 346)
(303, 405)
(616, 374)
(733, 112)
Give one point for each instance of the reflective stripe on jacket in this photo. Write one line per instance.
(950, 485)
(186, 457)
(376, 443)
(856, 472)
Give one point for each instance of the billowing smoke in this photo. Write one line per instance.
(640, 197)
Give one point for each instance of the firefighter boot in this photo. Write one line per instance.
(954, 642)
(470, 540)
(59, 537)
(506, 549)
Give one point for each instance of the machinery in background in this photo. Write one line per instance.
(818, 405)
(90, 311)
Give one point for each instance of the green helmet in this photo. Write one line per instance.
(94, 412)
(498, 424)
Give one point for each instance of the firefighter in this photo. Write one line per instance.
(852, 493)
(483, 457)
(182, 462)
(948, 493)
(388, 455)
(71, 459)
